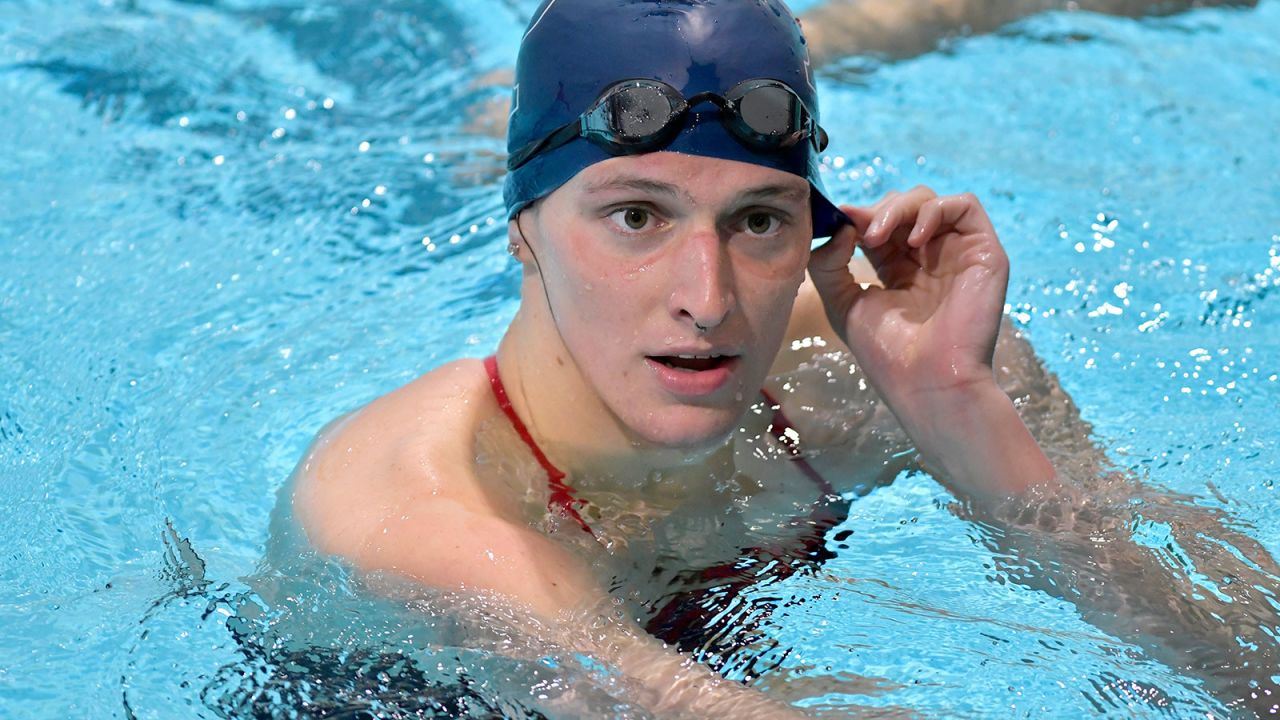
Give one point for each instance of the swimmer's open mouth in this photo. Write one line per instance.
(694, 363)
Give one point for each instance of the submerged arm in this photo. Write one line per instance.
(904, 28)
(1146, 564)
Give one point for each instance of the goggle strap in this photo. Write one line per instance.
(562, 136)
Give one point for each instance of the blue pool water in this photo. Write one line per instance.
(225, 223)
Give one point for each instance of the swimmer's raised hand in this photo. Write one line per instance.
(925, 339)
(932, 327)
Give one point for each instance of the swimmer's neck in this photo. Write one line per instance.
(578, 432)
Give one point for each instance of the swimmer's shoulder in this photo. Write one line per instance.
(412, 446)
(394, 487)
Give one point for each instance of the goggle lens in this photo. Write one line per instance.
(638, 112)
(769, 110)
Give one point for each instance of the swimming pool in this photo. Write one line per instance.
(226, 223)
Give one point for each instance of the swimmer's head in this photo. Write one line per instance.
(619, 68)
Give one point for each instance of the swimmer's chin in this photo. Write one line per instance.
(689, 429)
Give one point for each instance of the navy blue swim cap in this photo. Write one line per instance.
(574, 49)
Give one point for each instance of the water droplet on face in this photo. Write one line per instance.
(588, 287)
(669, 341)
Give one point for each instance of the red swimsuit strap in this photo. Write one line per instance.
(561, 494)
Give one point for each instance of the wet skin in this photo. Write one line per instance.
(634, 263)
(430, 483)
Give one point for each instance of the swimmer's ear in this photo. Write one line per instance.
(518, 245)
(513, 240)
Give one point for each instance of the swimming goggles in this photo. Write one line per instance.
(637, 116)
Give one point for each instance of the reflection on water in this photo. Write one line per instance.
(227, 223)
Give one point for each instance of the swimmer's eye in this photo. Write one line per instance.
(633, 219)
(762, 223)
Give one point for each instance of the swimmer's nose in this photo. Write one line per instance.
(702, 281)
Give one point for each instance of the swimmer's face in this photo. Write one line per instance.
(636, 253)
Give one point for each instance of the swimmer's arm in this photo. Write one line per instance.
(1204, 601)
(1071, 535)
(905, 28)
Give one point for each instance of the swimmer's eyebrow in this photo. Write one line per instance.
(764, 192)
(652, 187)
(771, 192)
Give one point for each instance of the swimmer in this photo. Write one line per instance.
(687, 384)
(897, 29)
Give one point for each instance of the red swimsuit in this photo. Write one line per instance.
(704, 619)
